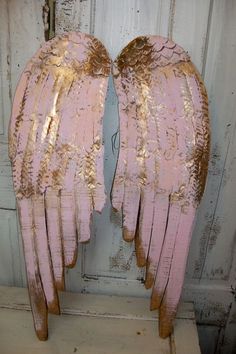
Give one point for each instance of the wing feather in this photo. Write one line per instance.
(173, 289)
(146, 220)
(43, 253)
(68, 226)
(164, 266)
(54, 231)
(168, 91)
(160, 219)
(127, 144)
(55, 144)
(83, 211)
(36, 293)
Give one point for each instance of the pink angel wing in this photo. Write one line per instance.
(162, 94)
(55, 145)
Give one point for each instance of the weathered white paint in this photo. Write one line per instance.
(7, 197)
(5, 86)
(10, 262)
(223, 102)
(73, 15)
(220, 78)
(190, 25)
(116, 23)
(207, 29)
(211, 332)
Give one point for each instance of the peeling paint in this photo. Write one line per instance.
(213, 310)
(202, 246)
(119, 261)
(233, 291)
(233, 318)
(214, 232)
(217, 272)
(214, 168)
(45, 15)
(49, 19)
(116, 218)
(207, 242)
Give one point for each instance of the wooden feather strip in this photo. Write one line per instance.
(55, 138)
(172, 154)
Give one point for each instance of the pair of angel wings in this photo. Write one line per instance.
(163, 161)
(55, 142)
(55, 145)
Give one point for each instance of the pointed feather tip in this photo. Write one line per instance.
(128, 236)
(71, 263)
(164, 332)
(60, 285)
(150, 277)
(140, 261)
(166, 319)
(41, 327)
(53, 306)
(140, 254)
(115, 207)
(42, 334)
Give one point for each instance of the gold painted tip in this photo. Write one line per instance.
(116, 210)
(128, 236)
(165, 327)
(164, 332)
(42, 334)
(70, 264)
(140, 254)
(148, 282)
(166, 320)
(140, 261)
(153, 307)
(155, 302)
(54, 308)
(60, 285)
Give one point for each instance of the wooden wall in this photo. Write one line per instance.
(207, 29)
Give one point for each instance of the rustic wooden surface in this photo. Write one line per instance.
(95, 324)
(207, 29)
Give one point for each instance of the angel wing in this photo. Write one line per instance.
(163, 160)
(55, 145)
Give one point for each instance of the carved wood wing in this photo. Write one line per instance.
(163, 160)
(55, 145)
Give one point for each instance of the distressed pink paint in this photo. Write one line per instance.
(173, 290)
(55, 143)
(162, 165)
(52, 205)
(36, 293)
